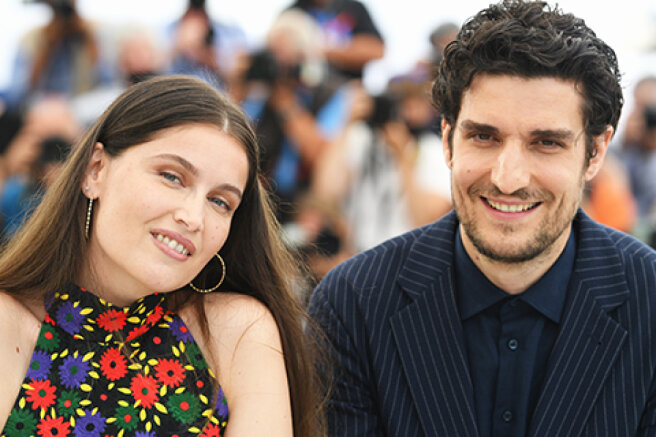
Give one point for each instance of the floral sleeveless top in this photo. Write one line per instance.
(98, 370)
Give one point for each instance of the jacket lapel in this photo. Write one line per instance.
(429, 337)
(589, 341)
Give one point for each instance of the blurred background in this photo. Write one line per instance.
(628, 26)
(338, 92)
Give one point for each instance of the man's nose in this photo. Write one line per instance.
(511, 171)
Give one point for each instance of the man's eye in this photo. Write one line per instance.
(549, 143)
(482, 137)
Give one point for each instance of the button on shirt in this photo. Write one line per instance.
(508, 340)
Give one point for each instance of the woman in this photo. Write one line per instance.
(158, 206)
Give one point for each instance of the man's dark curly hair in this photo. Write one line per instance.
(530, 39)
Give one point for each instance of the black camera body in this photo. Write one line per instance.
(650, 117)
(266, 68)
(385, 109)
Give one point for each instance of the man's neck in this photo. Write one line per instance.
(515, 278)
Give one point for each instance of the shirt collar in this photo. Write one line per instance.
(476, 293)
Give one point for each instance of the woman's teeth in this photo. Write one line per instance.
(172, 244)
(504, 207)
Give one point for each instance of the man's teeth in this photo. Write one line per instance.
(172, 244)
(504, 207)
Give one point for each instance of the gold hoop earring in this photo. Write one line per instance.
(88, 222)
(209, 290)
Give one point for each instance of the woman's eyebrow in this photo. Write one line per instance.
(194, 171)
(180, 160)
(229, 187)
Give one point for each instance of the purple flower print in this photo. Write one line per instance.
(221, 404)
(73, 371)
(89, 425)
(39, 366)
(180, 330)
(69, 318)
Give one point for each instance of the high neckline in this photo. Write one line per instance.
(86, 316)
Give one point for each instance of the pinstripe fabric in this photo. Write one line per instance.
(400, 364)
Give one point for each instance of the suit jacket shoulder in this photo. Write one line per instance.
(424, 252)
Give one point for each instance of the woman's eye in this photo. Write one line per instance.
(171, 177)
(220, 203)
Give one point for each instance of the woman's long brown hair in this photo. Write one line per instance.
(50, 249)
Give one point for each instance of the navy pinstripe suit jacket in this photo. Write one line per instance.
(400, 363)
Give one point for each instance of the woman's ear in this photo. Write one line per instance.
(95, 172)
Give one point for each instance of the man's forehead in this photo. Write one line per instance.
(535, 102)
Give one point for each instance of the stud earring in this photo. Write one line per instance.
(209, 290)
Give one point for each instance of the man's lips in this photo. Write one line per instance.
(510, 207)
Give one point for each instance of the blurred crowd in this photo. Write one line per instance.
(348, 169)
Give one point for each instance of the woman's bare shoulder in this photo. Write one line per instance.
(251, 366)
(237, 313)
(16, 314)
(19, 330)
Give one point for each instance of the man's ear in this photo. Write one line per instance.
(601, 142)
(446, 150)
(95, 172)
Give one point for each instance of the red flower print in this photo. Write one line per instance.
(170, 372)
(154, 317)
(113, 364)
(112, 320)
(49, 320)
(53, 427)
(136, 332)
(41, 394)
(144, 388)
(211, 430)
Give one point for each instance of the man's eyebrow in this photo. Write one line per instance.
(557, 134)
(470, 125)
(180, 160)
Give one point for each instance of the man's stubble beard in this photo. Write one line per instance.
(553, 225)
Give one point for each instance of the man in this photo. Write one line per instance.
(516, 315)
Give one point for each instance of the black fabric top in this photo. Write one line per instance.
(101, 370)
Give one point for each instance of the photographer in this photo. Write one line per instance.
(205, 48)
(63, 57)
(375, 173)
(639, 155)
(297, 109)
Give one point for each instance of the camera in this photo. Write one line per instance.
(650, 117)
(266, 68)
(384, 110)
